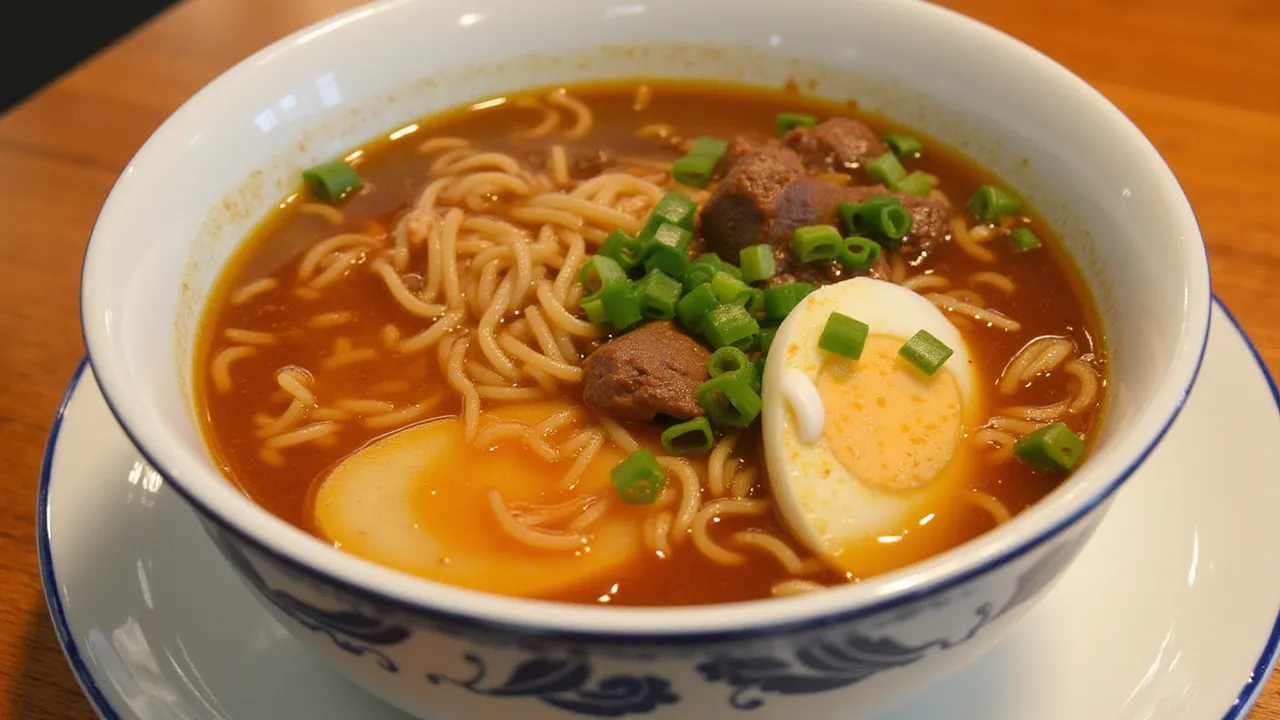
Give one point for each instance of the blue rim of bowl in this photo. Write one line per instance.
(1244, 701)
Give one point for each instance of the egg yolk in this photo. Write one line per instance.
(889, 424)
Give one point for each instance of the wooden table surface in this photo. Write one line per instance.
(1200, 78)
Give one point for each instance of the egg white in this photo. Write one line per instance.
(828, 508)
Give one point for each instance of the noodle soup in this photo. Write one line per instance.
(428, 356)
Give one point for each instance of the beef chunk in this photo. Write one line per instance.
(767, 195)
(739, 147)
(835, 145)
(652, 370)
(762, 199)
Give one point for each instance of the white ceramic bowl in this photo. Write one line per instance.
(227, 157)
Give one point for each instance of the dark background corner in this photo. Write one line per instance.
(41, 39)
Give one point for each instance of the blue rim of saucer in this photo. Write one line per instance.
(84, 676)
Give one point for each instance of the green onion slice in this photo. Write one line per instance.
(780, 300)
(694, 170)
(621, 305)
(926, 352)
(859, 253)
(622, 248)
(787, 122)
(727, 360)
(658, 293)
(601, 272)
(903, 145)
(694, 307)
(766, 339)
(916, 183)
(639, 478)
(729, 400)
(730, 290)
(689, 438)
(816, 242)
(1023, 240)
(886, 169)
(991, 203)
(730, 325)
(1052, 447)
(707, 146)
(673, 208)
(757, 263)
(843, 336)
(332, 181)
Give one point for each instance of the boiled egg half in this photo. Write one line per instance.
(866, 455)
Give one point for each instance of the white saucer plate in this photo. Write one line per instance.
(1170, 612)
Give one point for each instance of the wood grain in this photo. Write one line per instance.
(1199, 78)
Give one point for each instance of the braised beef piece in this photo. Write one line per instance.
(654, 369)
(767, 195)
(739, 147)
(838, 144)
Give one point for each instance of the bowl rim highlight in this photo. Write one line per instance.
(213, 496)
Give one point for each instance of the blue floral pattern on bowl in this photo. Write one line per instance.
(567, 675)
(566, 683)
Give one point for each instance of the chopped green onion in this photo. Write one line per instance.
(843, 335)
(991, 203)
(694, 170)
(601, 272)
(780, 300)
(639, 478)
(730, 290)
(699, 164)
(668, 260)
(755, 303)
(757, 263)
(689, 438)
(695, 305)
(707, 146)
(667, 250)
(727, 360)
(1052, 447)
(621, 305)
(730, 325)
(758, 363)
(917, 184)
(789, 121)
(816, 242)
(713, 260)
(623, 248)
(886, 169)
(903, 145)
(673, 208)
(729, 400)
(332, 181)
(672, 236)
(698, 275)
(883, 214)
(925, 352)
(766, 339)
(704, 268)
(658, 293)
(1023, 239)
(859, 253)
(594, 307)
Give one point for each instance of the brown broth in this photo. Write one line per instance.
(1049, 300)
